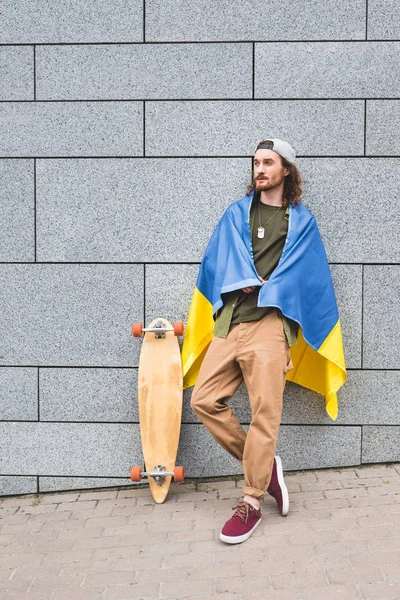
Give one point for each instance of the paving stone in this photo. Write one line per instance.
(171, 590)
(42, 595)
(376, 560)
(82, 594)
(332, 592)
(342, 548)
(335, 474)
(367, 482)
(31, 571)
(141, 590)
(165, 549)
(334, 524)
(313, 537)
(356, 575)
(59, 545)
(199, 560)
(70, 582)
(365, 533)
(298, 580)
(82, 505)
(61, 498)
(272, 595)
(320, 485)
(371, 500)
(346, 493)
(106, 521)
(118, 553)
(133, 563)
(241, 584)
(355, 511)
(387, 590)
(68, 556)
(22, 558)
(392, 573)
(14, 588)
(389, 508)
(110, 579)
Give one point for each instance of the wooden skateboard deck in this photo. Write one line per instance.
(160, 393)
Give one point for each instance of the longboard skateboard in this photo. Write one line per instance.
(160, 393)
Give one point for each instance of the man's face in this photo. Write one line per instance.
(268, 170)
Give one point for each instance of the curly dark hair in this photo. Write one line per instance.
(293, 185)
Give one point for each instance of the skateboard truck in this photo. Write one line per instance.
(159, 330)
(159, 474)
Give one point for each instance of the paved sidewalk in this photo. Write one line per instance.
(341, 539)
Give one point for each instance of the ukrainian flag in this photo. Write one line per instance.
(301, 286)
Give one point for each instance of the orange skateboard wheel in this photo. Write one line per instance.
(136, 473)
(179, 328)
(137, 330)
(179, 474)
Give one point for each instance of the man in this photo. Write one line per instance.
(260, 285)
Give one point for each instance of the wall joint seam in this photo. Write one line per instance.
(38, 393)
(362, 317)
(254, 71)
(365, 128)
(144, 294)
(34, 211)
(144, 21)
(193, 42)
(144, 128)
(34, 72)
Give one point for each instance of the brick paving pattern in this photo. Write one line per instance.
(340, 539)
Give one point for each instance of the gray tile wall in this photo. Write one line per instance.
(126, 128)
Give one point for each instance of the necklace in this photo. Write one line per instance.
(261, 230)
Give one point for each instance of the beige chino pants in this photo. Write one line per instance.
(258, 353)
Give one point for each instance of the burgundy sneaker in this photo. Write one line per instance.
(277, 487)
(241, 525)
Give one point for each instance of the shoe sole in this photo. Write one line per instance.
(284, 490)
(239, 538)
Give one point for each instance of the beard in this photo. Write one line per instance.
(263, 185)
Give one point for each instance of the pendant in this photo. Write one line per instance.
(260, 232)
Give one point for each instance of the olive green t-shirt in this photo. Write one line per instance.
(240, 307)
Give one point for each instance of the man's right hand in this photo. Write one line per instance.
(248, 290)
